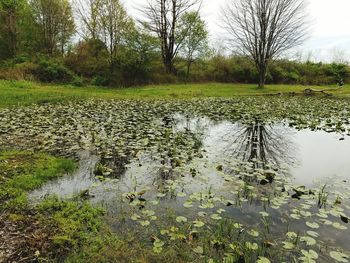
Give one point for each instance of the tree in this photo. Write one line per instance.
(265, 29)
(88, 12)
(115, 25)
(15, 21)
(194, 33)
(55, 23)
(162, 18)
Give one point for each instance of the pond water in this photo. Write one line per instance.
(308, 156)
(274, 159)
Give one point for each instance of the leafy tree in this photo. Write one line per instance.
(137, 58)
(115, 25)
(15, 28)
(55, 23)
(89, 58)
(194, 33)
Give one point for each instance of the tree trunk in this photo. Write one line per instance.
(169, 67)
(262, 69)
(188, 71)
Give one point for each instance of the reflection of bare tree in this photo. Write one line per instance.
(263, 144)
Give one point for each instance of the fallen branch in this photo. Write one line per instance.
(310, 91)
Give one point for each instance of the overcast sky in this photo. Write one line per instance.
(330, 31)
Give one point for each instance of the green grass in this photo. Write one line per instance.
(21, 172)
(21, 93)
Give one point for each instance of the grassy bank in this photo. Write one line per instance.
(15, 93)
(21, 172)
(58, 230)
(49, 231)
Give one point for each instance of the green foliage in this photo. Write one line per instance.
(55, 24)
(73, 222)
(114, 52)
(22, 93)
(25, 171)
(193, 34)
(89, 59)
(51, 70)
(16, 28)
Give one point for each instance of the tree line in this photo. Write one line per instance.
(98, 42)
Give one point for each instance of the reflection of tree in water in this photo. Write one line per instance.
(264, 144)
(183, 140)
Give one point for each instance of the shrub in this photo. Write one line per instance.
(50, 70)
(99, 81)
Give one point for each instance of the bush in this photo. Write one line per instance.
(77, 81)
(99, 81)
(18, 71)
(50, 70)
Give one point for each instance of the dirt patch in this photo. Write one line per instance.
(22, 238)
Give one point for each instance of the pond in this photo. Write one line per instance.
(278, 177)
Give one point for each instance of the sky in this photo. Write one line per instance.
(329, 37)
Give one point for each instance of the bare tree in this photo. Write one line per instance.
(88, 14)
(339, 56)
(162, 18)
(265, 29)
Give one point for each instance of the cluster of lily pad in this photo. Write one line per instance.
(256, 214)
(289, 222)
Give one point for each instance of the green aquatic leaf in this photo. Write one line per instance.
(308, 240)
(313, 234)
(288, 245)
(198, 223)
(264, 214)
(135, 217)
(215, 217)
(327, 222)
(145, 223)
(295, 216)
(253, 233)
(292, 235)
(181, 219)
(181, 194)
(339, 226)
(148, 212)
(188, 204)
(202, 214)
(153, 218)
(251, 246)
(158, 246)
(161, 195)
(158, 243)
(198, 250)
(309, 256)
(237, 225)
(220, 211)
(313, 225)
(339, 256)
(263, 260)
